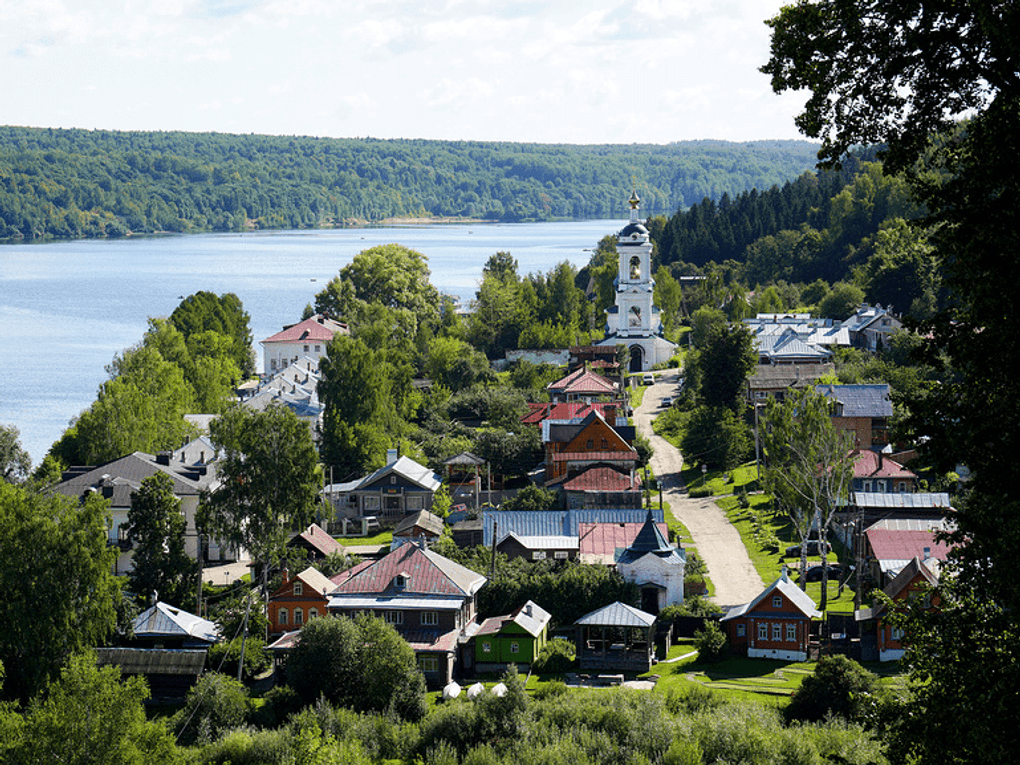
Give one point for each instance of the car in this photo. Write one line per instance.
(648, 379)
(667, 401)
(793, 551)
(814, 574)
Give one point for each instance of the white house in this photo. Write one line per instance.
(309, 338)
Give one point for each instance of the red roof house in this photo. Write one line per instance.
(775, 625)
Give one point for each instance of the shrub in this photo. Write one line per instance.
(692, 699)
(551, 689)
(699, 492)
(710, 641)
(839, 686)
(215, 704)
(556, 657)
(224, 657)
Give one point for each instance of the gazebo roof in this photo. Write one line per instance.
(617, 615)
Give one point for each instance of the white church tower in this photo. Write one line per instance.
(634, 321)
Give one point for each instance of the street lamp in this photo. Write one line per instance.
(704, 469)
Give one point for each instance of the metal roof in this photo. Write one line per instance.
(617, 615)
(903, 500)
(557, 522)
(164, 620)
(865, 400)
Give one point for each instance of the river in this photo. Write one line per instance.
(67, 307)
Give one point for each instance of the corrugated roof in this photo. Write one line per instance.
(321, 541)
(865, 400)
(530, 617)
(406, 468)
(896, 545)
(603, 478)
(426, 573)
(903, 500)
(870, 464)
(617, 615)
(606, 538)
(557, 522)
(153, 661)
(544, 543)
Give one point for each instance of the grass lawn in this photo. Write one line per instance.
(768, 561)
(376, 540)
(680, 535)
(721, 482)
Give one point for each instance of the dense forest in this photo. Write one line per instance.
(82, 183)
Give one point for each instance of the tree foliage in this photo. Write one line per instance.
(159, 561)
(362, 663)
(15, 462)
(903, 74)
(269, 479)
(60, 596)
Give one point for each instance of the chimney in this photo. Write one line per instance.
(391, 456)
(527, 608)
(163, 458)
(784, 575)
(927, 553)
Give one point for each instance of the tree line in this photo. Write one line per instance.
(82, 183)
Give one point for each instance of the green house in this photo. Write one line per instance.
(516, 638)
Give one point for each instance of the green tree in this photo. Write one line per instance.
(715, 436)
(269, 480)
(361, 663)
(839, 686)
(15, 462)
(55, 564)
(90, 715)
(159, 561)
(841, 302)
(723, 366)
(224, 315)
(903, 74)
(808, 467)
(215, 704)
(668, 297)
(531, 498)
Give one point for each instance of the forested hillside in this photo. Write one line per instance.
(81, 183)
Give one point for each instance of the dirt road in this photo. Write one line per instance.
(718, 543)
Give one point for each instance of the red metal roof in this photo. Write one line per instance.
(602, 478)
(606, 538)
(316, 330)
(583, 381)
(595, 456)
(893, 544)
(870, 464)
(427, 574)
(573, 410)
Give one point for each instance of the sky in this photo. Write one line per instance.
(546, 71)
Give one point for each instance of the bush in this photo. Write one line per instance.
(710, 641)
(215, 704)
(839, 686)
(224, 657)
(692, 699)
(551, 689)
(556, 657)
(699, 492)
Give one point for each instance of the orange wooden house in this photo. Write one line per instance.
(880, 639)
(776, 624)
(297, 600)
(573, 447)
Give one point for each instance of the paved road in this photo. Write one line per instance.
(718, 543)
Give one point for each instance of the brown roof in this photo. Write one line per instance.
(427, 573)
(607, 538)
(595, 456)
(317, 538)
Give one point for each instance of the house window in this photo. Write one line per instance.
(896, 633)
(538, 554)
(318, 349)
(791, 633)
(777, 601)
(777, 632)
(414, 503)
(605, 443)
(430, 618)
(393, 479)
(591, 443)
(281, 616)
(741, 630)
(371, 503)
(429, 664)
(400, 581)
(867, 486)
(299, 616)
(763, 631)
(298, 589)
(561, 555)
(306, 349)
(394, 617)
(515, 648)
(312, 613)
(486, 647)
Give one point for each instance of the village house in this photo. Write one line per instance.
(890, 544)
(881, 640)
(862, 410)
(430, 600)
(775, 625)
(875, 472)
(306, 339)
(582, 385)
(572, 448)
(515, 638)
(398, 489)
(871, 327)
(655, 566)
(297, 600)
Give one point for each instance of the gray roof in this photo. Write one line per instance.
(408, 469)
(617, 615)
(865, 400)
(129, 471)
(556, 523)
(649, 541)
(153, 661)
(903, 500)
(164, 620)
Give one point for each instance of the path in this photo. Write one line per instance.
(719, 546)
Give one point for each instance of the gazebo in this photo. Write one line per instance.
(616, 637)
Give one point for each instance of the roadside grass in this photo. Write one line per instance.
(757, 536)
(680, 534)
(722, 482)
(636, 392)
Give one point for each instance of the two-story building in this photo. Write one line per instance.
(515, 638)
(398, 489)
(571, 448)
(863, 410)
(298, 599)
(306, 339)
(881, 639)
(430, 600)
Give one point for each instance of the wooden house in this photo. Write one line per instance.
(297, 600)
(881, 640)
(775, 625)
(515, 638)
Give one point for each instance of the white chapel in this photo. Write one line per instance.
(634, 321)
